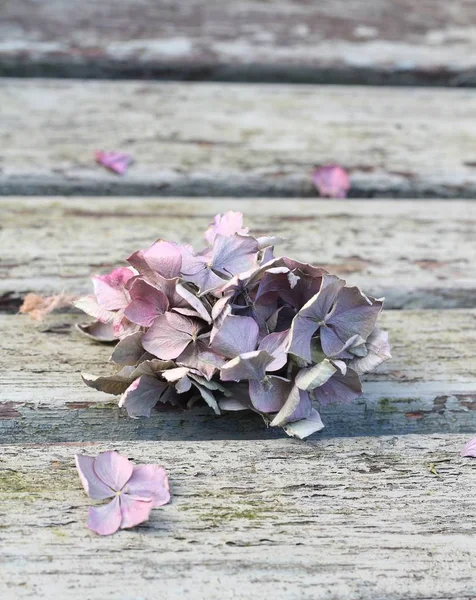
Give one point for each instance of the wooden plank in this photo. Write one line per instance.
(429, 386)
(363, 41)
(356, 518)
(418, 254)
(234, 140)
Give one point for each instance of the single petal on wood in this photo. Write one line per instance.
(105, 519)
(305, 427)
(470, 449)
(129, 350)
(251, 365)
(142, 395)
(235, 336)
(331, 181)
(113, 469)
(149, 481)
(117, 162)
(94, 487)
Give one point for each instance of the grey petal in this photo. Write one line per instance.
(129, 350)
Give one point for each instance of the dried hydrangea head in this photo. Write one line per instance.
(235, 327)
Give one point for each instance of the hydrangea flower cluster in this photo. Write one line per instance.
(235, 327)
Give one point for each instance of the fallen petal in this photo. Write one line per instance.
(113, 469)
(94, 487)
(331, 181)
(134, 511)
(105, 519)
(117, 162)
(470, 449)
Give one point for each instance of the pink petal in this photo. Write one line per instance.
(169, 335)
(94, 487)
(275, 344)
(134, 511)
(149, 481)
(331, 181)
(227, 224)
(113, 469)
(146, 304)
(117, 162)
(105, 519)
(142, 395)
(470, 449)
(110, 288)
(162, 257)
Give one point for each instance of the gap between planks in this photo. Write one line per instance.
(330, 41)
(196, 139)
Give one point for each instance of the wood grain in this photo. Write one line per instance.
(357, 518)
(234, 140)
(418, 254)
(429, 386)
(363, 41)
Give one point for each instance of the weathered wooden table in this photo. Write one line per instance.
(379, 505)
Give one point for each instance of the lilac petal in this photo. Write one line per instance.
(94, 487)
(315, 376)
(90, 306)
(291, 410)
(235, 254)
(198, 356)
(378, 352)
(275, 344)
(142, 395)
(162, 257)
(134, 511)
(169, 335)
(110, 289)
(194, 302)
(305, 427)
(113, 469)
(105, 519)
(352, 314)
(339, 388)
(146, 304)
(312, 316)
(470, 449)
(251, 365)
(331, 181)
(269, 395)
(149, 481)
(129, 350)
(227, 224)
(236, 335)
(97, 331)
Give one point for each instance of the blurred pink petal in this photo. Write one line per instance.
(331, 181)
(149, 481)
(117, 162)
(470, 449)
(105, 519)
(94, 487)
(113, 469)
